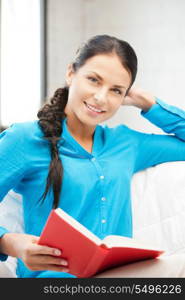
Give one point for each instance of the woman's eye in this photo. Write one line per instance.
(117, 91)
(93, 79)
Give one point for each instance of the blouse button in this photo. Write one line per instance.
(103, 221)
(103, 198)
(93, 159)
(102, 177)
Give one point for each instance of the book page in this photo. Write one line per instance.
(78, 226)
(122, 241)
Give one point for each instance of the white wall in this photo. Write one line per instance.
(21, 70)
(64, 34)
(155, 28)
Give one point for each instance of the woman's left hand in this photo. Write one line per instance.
(139, 98)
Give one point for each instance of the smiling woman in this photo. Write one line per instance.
(86, 167)
(115, 63)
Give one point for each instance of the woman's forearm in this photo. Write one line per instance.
(36, 257)
(9, 244)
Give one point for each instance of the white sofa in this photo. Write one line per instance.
(158, 204)
(11, 217)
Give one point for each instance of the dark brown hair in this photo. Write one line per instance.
(52, 114)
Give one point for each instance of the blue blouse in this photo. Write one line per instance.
(96, 186)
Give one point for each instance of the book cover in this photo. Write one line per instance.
(86, 254)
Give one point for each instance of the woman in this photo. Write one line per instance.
(86, 167)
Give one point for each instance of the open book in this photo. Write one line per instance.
(88, 255)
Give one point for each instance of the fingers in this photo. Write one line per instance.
(48, 259)
(47, 250)
(46, 262)
(55, 268)
(43, 262)
(37, 257)
(36, 249)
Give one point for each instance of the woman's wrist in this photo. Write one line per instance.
(139, 98)
(148, 103)
(8, 244)
(145, 101)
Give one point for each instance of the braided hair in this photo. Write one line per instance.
(51, 114)
(50, 119)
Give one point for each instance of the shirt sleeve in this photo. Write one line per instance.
(12, 158)
(159, 148)
(12, 163)
(3, 230)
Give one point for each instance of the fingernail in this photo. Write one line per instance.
(57, 252)
(63, 262)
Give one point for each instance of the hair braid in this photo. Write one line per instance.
(50, 121)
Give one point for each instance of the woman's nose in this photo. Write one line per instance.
(101, 95)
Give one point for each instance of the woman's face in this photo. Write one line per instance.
(97, 89)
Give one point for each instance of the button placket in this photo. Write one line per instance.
(103, 206)
(102, 199)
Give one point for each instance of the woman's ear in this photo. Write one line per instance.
(69, 74)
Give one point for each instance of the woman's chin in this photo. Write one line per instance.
(90, 121)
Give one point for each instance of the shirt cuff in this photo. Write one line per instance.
(163, 115)
(3, 230)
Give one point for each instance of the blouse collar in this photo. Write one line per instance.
(97, 141)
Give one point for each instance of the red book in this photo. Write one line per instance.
(86, 254)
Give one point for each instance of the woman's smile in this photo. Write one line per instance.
(92, 110)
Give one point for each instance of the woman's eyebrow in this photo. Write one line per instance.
(115, 85)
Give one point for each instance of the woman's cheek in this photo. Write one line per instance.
(115, 107)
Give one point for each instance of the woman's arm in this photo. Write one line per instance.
(139, 98)
(158, 148)
(34, 256)
(13, 166)
(170, 119)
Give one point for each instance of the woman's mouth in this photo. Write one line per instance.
(93, 110)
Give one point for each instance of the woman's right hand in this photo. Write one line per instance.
(34, 256)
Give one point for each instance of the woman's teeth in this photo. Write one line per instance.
(93, 108)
